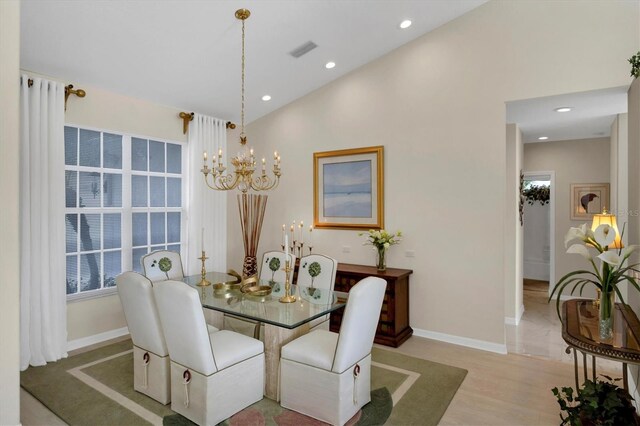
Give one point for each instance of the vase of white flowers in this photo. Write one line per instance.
(381, 241)
(606, 277)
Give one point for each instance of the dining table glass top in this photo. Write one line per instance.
(310, 303)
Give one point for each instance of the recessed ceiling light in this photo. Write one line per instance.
(563, 109)
(330, 65)
(405, 24)
(266, 98)
(543, 138)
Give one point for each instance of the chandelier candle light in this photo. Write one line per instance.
(251, 206)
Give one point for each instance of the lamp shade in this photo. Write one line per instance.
(608, 219)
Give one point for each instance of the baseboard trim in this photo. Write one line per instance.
(96, 338)
(499, 348)
(518, 317)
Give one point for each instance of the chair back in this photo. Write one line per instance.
(317, 270)
(157, 268)
(275, 260)
(184, 326)
(141, 312)
(359, 322)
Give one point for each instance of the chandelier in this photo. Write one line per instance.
(244, 163)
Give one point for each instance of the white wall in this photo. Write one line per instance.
(107, 110)
(9, 215)
(513, 235)
(575, 161)
(437, 104)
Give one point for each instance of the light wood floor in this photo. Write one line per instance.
(498, 390)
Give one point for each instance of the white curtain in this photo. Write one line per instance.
(43, 304)
(207, 208)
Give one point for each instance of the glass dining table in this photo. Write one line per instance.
(283, 322)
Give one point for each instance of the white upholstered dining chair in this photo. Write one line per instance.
(318, 271)
(162, 265)
(327, 375)
(150, 354)
(213, 376)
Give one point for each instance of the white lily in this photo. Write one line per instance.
(604, 235)
(611, 257)
(626, 252)
(579, 233)
(580, 249)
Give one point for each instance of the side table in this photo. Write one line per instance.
(580, 332)
(393, 326)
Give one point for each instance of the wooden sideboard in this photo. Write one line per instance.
(393, 326)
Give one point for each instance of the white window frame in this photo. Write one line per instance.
(127, 209)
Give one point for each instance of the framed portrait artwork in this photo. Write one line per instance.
(349, 188)
(588, 199)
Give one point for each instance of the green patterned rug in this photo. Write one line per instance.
(96, 388)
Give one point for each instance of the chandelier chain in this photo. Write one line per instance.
(242, 135)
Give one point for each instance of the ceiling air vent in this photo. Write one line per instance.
(301, 50)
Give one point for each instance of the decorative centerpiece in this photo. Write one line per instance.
(606, 277)
(381, 241)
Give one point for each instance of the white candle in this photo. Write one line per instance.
(301, 233)
(310, 236)
(202, 239)
(220, 156)
(286, 248)
(264, 164)
(292, 236)
(284, 233)
(205, 157)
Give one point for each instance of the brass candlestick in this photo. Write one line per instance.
(287, 298)
(203, 282)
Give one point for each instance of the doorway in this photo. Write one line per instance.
(538, 232)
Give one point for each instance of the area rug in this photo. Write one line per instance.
(96, 388)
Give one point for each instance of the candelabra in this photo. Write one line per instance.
(287, 298)
(298, 248)
(203, 282)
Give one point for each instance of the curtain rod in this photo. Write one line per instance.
(68, 91)
(188, 116)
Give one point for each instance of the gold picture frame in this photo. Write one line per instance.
(588, 199)
(348, 188)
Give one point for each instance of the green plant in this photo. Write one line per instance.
(535, 193)
(596, 403)
(635, 65)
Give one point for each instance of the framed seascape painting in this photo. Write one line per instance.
(348, 188)
(588, 199)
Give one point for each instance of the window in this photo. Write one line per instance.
(123, 200)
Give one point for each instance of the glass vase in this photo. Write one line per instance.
(381, 262)
(606, 315)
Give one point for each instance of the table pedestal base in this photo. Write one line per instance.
(274, 339)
